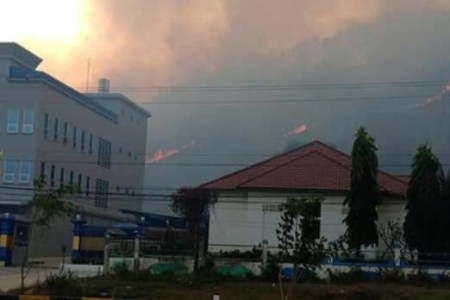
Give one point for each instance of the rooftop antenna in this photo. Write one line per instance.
(88, 74)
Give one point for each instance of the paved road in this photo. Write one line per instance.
(10, 277)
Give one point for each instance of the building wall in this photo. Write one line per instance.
(127, 136)
(243, 220)
(46, 96)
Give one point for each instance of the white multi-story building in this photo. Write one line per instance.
(96, 141)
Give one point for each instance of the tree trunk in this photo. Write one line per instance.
(25, 266)
(196, 251)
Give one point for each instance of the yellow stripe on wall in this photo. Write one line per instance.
(92, 243)
(5, 241)
(76, 243)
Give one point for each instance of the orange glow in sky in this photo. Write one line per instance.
(45, 20)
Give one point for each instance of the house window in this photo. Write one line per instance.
(91, 143)
(104, 153)
(88, 183)
(25, 170)
(28, 121)
(83, 138)
(61, 177)
(42, 171)
(13, 120)
(101, 193)
(46, 120)
(55, 130)
(65, 131)
(71, 178)
(52, 175)
(316, 224)
(74, 137)
(271, 207)
(9, 171)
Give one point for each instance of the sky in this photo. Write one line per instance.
(377, 63)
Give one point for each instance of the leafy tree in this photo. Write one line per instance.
(45, 207)
(364, 194)
(392, 236)
(193, 204)
(299, 238)
(444, 212)
(423, 223)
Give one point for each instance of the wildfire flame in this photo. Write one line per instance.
(431, 100)
(160, 155)
(301, 129)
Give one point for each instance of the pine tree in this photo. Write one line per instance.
(423, 222)
(364, 194)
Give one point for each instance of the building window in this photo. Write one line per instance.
(135, 158)
(91, 143)
(65, 131)
(42, 171)
(74, 137)
(13, 120)
(88, 183)
(101, 193)
(129, 153)
(61, 177)
(71, 177)
(9, 171)
(120, 150)
(46, 125)
(52, 175)
(83, 139)
(55, 130)
(28, 121)
(80, 181)
(316, 224)
(104, 153)
(25, 170)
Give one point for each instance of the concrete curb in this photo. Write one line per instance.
(47, 297)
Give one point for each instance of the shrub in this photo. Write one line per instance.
(272, 270)
(120, 268)
(64, 284)
(354, 275)
(391, 275)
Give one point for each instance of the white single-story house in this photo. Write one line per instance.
(247, 208)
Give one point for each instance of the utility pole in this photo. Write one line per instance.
(88, 74)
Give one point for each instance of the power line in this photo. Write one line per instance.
(279, 101)
(181, 154)
(266, 87)
(190, 164)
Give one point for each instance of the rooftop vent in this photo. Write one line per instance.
(103, 86)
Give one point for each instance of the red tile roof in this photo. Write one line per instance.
(312, 167)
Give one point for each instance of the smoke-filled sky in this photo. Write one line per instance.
(267, 45)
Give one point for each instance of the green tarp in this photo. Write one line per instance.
(161, 268)
(233, 270)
